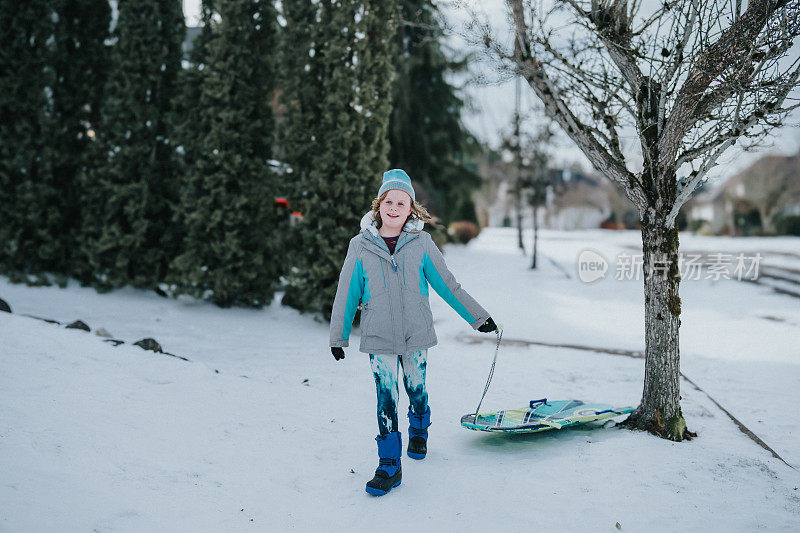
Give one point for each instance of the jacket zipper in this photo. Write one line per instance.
(402, 314)
(391, 310)
(402, 309)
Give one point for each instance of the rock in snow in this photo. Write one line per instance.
(78, 324)
(149, 344)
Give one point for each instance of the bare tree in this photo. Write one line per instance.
(529, 168)
(536, 177)
(691, 78)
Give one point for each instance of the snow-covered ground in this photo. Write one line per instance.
(262, 430)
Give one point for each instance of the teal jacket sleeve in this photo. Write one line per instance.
(445, 284)
(348, 295)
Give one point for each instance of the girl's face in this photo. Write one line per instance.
(395, 209)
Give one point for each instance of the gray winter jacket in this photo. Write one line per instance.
(393, 290)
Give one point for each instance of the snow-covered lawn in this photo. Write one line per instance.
(263, 431)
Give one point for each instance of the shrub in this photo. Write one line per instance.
(609, 224)
(788, 225)
(463, 231)
(696, 224)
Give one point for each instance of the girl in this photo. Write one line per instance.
(388, 267)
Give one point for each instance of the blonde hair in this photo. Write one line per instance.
(418, 211)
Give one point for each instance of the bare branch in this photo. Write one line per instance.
(731, 47)
(677, 57)
(726, 141)
(555, 107)
(612, 26)
(691, 77)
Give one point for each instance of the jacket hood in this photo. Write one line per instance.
(368, 223)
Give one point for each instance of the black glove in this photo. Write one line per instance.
(488, 326)
(338, 353)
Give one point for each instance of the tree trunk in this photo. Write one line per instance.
(660, 410)
(535, 233)
(765, 214)
(518, 207)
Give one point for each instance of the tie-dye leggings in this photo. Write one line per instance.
(385, 370)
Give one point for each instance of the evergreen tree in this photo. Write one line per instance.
(25, 93)
(52, 70)
(230, 254)
(80, 63)
(300, 90)
(189, 124)
(375, 55)
(299, 107)
(189, 118)
(427, 137)
(339, 101)
(131, 195)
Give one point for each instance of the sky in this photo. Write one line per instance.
(489, 107)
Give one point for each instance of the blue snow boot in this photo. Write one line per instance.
(388, 474)
(418, 433)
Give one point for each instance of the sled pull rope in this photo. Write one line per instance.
(499, 333)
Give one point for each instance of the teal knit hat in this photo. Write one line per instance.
(396, 179)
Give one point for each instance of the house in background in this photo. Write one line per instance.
(574, 200)
(751, 201)
(709, 210)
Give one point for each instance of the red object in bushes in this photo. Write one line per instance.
(612, 225)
